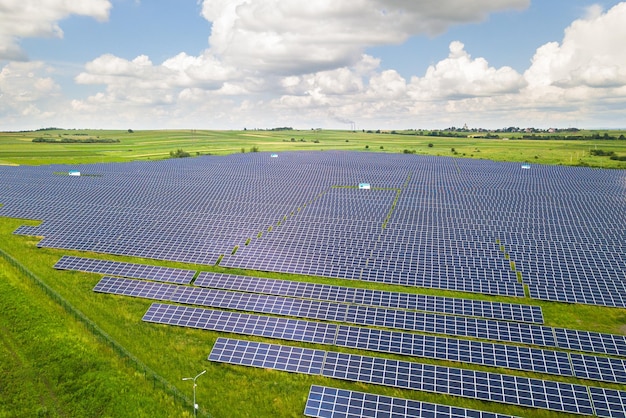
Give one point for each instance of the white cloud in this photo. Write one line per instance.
(296, 37)
(36, 18)
(585, 74)
(591, 53)
(460, 76)
(26, 88)
(294, 63)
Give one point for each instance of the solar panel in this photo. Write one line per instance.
(429, 303)
(536, 393)
(241, 323)
(118, 268)
(136, 288)
(605, 369)
(327, 402)
(591, 342)
(608, 402)
(268, 356)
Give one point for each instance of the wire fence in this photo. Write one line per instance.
(158, 381)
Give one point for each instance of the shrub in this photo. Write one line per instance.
(180, 153)
(430, 145)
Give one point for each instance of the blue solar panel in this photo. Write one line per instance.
(536, 393)
(118, 268)
(241, 323)
(591, 342)
(605, 369)
(450, 349)
(326, 402)
(267, 356)
(608, 402)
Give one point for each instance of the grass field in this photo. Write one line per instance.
(18, 148)
(58, 369)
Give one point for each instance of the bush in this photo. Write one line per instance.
(601, 153)
(430, 145)
(179, 154)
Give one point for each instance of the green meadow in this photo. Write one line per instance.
(53, 365)
(19, 148)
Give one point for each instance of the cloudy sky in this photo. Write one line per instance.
(378, 64)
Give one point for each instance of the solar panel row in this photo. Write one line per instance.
(341, 312)
(118, 268)
(516, 390)
(563, 338)
(449, 349)
(326, 402)
(453, 306)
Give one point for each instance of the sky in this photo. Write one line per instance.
(331, 64)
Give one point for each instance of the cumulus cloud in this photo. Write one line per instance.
(295, 63)
(591, 53)
(460, 76)
(27, 90)
(37, 19)
(296, 37)
(584, 74)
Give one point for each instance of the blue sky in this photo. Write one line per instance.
(388, 64)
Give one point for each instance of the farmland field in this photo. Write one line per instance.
(18, 148)
(240, 183)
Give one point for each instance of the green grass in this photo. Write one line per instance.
(51, 366)
(18, 148)
(58, 368)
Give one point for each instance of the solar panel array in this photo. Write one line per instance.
(427, 221)
(440, 348)
(118, 268)
(379, 340)
(429, 303)
(455, 224)
(342, 312)
(516, 390)
(326, 402)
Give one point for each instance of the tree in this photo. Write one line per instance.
(130, 131)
